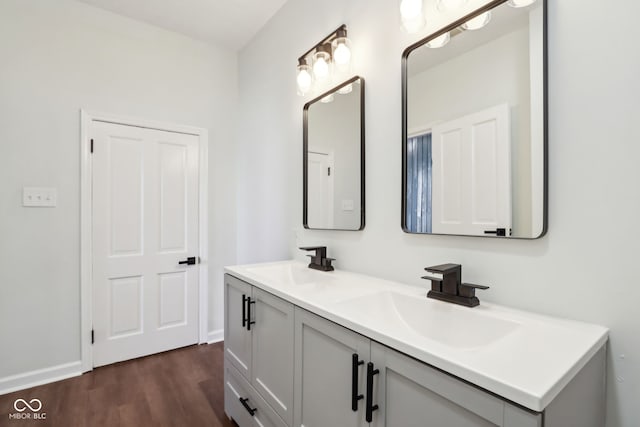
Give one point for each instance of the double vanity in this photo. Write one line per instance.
(306, 348)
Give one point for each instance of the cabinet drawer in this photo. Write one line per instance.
(235, 388)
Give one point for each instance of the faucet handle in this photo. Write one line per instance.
(468, 290)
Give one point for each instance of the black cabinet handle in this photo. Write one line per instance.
(355, 362)
(249, 322)
(249, 409)
(244, 310)
(370, 406)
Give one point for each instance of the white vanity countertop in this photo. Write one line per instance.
(522, 356)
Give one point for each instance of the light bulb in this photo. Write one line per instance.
(439, 41)
(320, 68)
(520, 3)
(477, 22)
(451, 4)
(342, 54)
(304, 81)
(346, 89)
(327, 99)
(303, 78)
(411, 15)
(321, 61)
(410, 9)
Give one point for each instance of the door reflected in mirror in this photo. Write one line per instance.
(474, 127)
(333, 162)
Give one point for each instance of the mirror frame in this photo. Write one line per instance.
(305, 147)
(545, 131)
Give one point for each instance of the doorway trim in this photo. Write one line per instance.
(86, 215)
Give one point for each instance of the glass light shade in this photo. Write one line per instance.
(520, 3)
(327, 99)
(346, 89)
(445, 5)
(411, 15)
(304, 79)
(321, 65)
(477, 22)
(342, 51)
(439, 41)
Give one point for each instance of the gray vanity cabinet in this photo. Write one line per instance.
(324, 368)
(259, 344)
(411, 394)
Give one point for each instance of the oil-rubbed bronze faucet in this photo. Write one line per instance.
(446, 285)
(319, 261)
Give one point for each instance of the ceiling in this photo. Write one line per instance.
(226, 23)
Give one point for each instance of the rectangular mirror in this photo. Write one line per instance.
(333, 159)
(474, 137)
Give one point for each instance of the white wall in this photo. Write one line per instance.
(582, 269)
(57, 57)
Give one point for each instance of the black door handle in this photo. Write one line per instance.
(502, 232)
(355, 362)
(189, 261)
(370, 406)
(249, 409)
(249, 321)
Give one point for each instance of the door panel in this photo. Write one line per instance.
(237, 339)
(412, 394)
(273, 352)
(145, 220)
(323, 373)
(472, 173)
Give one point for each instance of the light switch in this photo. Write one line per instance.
(347, 205)
(46, 197)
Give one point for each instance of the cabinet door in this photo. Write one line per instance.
(237, 339)
(412, 394)
(244, 405)
(273, 352)
(323, 373)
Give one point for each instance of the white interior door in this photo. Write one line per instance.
(471, 186)
(145, 221)
(320, 190)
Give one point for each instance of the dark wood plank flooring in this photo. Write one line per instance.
(183, 387)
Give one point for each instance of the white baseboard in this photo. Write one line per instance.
(216, 336)
(39, 377)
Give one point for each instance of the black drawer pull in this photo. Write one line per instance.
(244, 310)
(250, 410)
(370, 406)
(249, 321)
(355, 362)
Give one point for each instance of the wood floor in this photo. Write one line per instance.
(182, 387)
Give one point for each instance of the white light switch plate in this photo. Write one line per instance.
(39, 197)
(347, 205)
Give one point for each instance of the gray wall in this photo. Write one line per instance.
(582, 269)
(57, 57)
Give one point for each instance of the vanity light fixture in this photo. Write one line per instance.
(446, 5)
(439, 41)
(335, 49)
(520, 3)
(411, 15)
(477, 22)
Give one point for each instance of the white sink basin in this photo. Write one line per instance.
(448, 324)
(291, 274)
